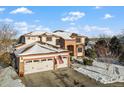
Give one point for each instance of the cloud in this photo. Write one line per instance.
(72, 23)
(2, 9)
(23, 27)
(73, 16)
(37, 20)
(72, 29)
(6, 20)
(98, 30)
(98, 7)
(22, 10)
(108, 16)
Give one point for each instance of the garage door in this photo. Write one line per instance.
(32, 66)
(64, 64)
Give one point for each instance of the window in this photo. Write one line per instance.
(79, 49)
(49, 38)
(29, 61)
(50, 59)
(28, 37)
(78, 40)
(43, 60)
(57, 41)
(64, 57)
(36, 60)
(33, 38)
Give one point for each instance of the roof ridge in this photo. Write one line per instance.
(47, 48)
(50, 45)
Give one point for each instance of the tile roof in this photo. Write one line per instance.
(37, 48)
(63, 34)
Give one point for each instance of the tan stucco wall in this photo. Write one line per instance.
(33, 57)
(80, 53)
(83, 40)
(32, 39)
(43, 39)
(53, 42)
(71, 42)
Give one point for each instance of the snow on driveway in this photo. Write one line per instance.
(103, 72)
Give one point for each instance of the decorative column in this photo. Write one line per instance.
(55, 63)
(69, 63)
(21, 67)
(75, 51)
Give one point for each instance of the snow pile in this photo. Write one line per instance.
(1, 67)
(103, 72)
(9, 78)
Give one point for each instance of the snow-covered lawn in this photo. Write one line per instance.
(9, 78)
(103, 72)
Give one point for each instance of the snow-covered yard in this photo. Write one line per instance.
(103, 72)
(9, 78)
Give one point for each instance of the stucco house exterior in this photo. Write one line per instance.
(42, 51)
(73, 42)
(38, 56)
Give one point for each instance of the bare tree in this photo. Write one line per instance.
(7, 33)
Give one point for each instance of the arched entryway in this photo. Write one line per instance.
(71, 49)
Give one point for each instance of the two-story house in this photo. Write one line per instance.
(42, 51)
(73, 42)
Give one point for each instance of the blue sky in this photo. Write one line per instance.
(86, 20)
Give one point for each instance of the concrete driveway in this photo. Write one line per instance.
(65, 77)
(60, 78)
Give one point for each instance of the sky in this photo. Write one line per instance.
(91, 21)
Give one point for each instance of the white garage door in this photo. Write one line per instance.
(32, 66)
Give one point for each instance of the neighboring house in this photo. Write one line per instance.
(71, 41)
(90, 45)
(38, 56)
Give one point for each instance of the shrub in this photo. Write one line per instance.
(121, 58)
(71, 58)
(87, 61)
(90, 53)
(5, 58)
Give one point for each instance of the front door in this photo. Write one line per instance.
(71, 49)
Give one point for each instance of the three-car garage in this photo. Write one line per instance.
(32, 66)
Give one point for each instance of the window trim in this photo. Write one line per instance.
(49, 59)
(49, 38)
(78, 40)
(36, 60)
(80, 48)
(28, 61)
(57, 41)
(42, 60)
(29, 38)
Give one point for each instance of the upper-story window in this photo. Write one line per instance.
(79, 49)
(33, 38)
(57, 41)
(78, 40)
(28, 37)
(49, 38)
